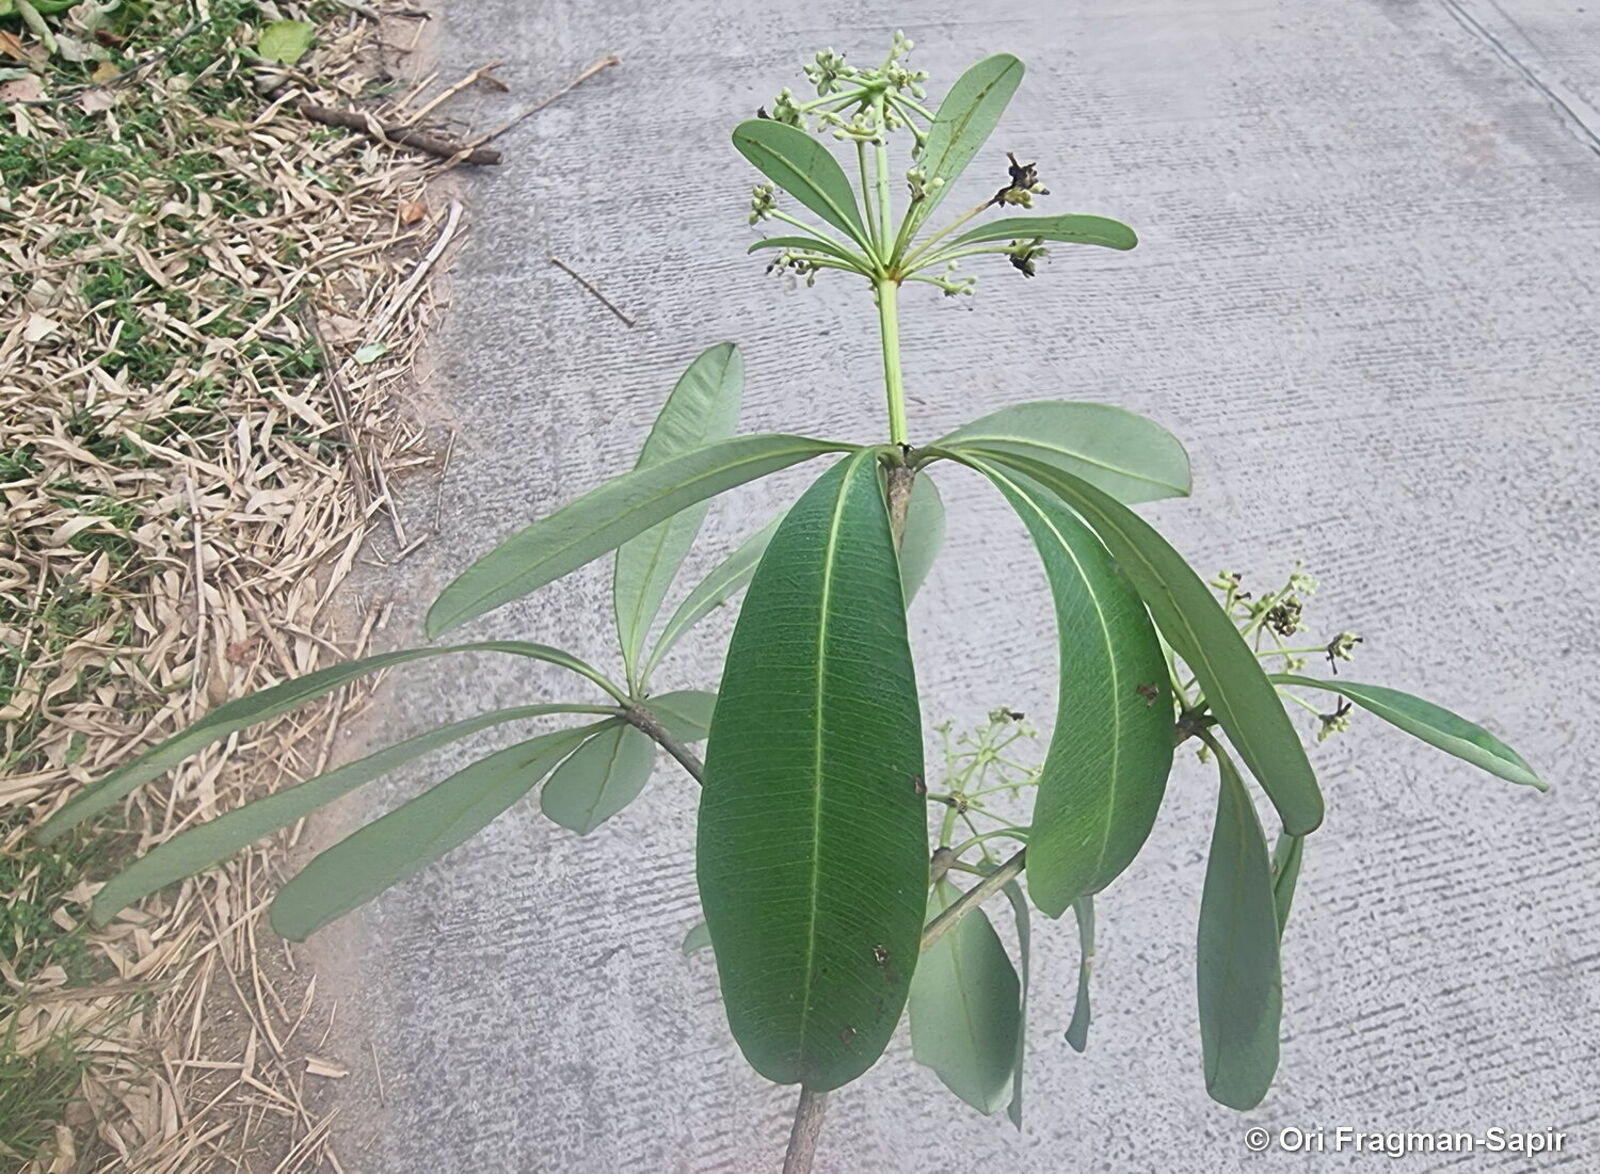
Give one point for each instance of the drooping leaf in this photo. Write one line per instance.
(1069, 229)
(703, 408)
(1111, 751)
(1131, 457)
(1286, 858)
(924, 535)
(269, 703)
(601, 777)
(805, 169)
(415, 834)
(604, 518)
(285, 41)
(1241, 697)
(966, 1008)
(726, 579)
(1432, 724)
(698, 938)
(808, 244)
(962, 124)
(1078, 1027)
(1238, 971)
(686, 714)
(812, 851)
(206, 844)
(1019, 910)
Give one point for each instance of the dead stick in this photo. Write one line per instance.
(405, 136)
(579, 278)
(603, 63)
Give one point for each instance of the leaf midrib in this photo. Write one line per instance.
(852, 218)
(1030, 442)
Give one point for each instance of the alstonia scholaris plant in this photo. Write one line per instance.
(825, 903)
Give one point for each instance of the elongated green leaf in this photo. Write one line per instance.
(1432, 724)
(966, 1008)
(1078, 1027)
(415, 834)
(1241, 697)
(963, 123)
(698, 938)
(1131, 457)
(726, 579)
(924, 535)
(812, 851)
(1019, 910)
(201, 846)
(602, 777)
(608, 516)
(686, 714)
(269, 703)
(1286, 858)
(1069, 229)
(809, 244)
(1111, 751)
(803, 167)
(703, 408)
(1239, 979)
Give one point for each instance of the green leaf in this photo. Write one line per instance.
(966, 1008)
(703, 408)
(606, 517)
(812, 852)
(1019, 909)
(698, 938)
(685, 715)
(602, 777)
(1070, 229)
(924, 535)
(285, 41)
(1078, 1028)
(1111, 751)
(415, 834)
(1188, 614)
(1131, 457)
(726, 579)
(269, 703)
(963, 123)
(205, 844)
(803, 167)
(810, 244)
(1432, 724)
(1286, 858)
(1240, 984)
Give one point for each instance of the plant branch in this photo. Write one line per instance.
(806, 1132)
(973, 897)
(645, 721)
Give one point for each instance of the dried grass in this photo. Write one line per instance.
(191, 456)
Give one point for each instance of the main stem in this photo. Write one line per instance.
(888, 290)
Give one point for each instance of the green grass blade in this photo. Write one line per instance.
(269, 703)
(1237, 965)
(1433, 724)
(725, 580)
(206, 844)
(963, 123)
(606, 517)
(415, 834)
(1106, 771)
(601, 778)
(812, 851)
(1069, 229)
(805, 169)
(1078, 1027)
(924, 535)
(966, 1008)
(1129, 456)
(703, 408)
(1188, 614)
(686, 714)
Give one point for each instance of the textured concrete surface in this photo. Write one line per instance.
(1366, 299)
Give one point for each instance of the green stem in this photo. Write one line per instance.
(972, 898)
(866, 187)
(942, 233)
(893, 382)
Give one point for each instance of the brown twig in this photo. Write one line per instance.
(603, 63)
(807, 1130)
(405, 136)
(579, 278)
